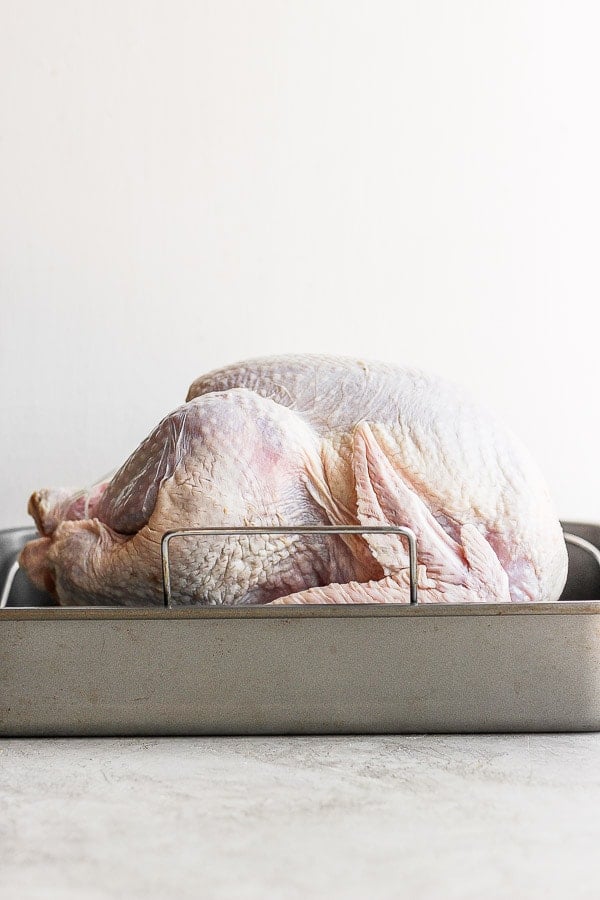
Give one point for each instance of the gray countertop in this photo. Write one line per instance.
(410, 817)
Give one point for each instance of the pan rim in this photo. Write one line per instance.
(316, 611)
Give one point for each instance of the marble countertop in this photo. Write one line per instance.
(347, 817)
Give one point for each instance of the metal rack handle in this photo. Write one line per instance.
(581, 542)
(8, 583)
(12, 571)
(291, 529)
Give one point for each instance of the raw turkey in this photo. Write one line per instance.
(309, 440)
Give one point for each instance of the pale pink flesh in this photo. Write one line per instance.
(310, 440)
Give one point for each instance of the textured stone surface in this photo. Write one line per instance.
(445, 816)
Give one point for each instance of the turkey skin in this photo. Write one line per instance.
(309, 440)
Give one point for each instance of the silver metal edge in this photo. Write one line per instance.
(325, 611)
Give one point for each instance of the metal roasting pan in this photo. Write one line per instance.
(301, 670)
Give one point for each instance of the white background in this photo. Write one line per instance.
(187, 184)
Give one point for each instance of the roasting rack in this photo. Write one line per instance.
(317, 530)
(306, 669)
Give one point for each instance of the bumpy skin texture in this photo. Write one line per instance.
(309, 440)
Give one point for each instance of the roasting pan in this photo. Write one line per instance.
(302, 670)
